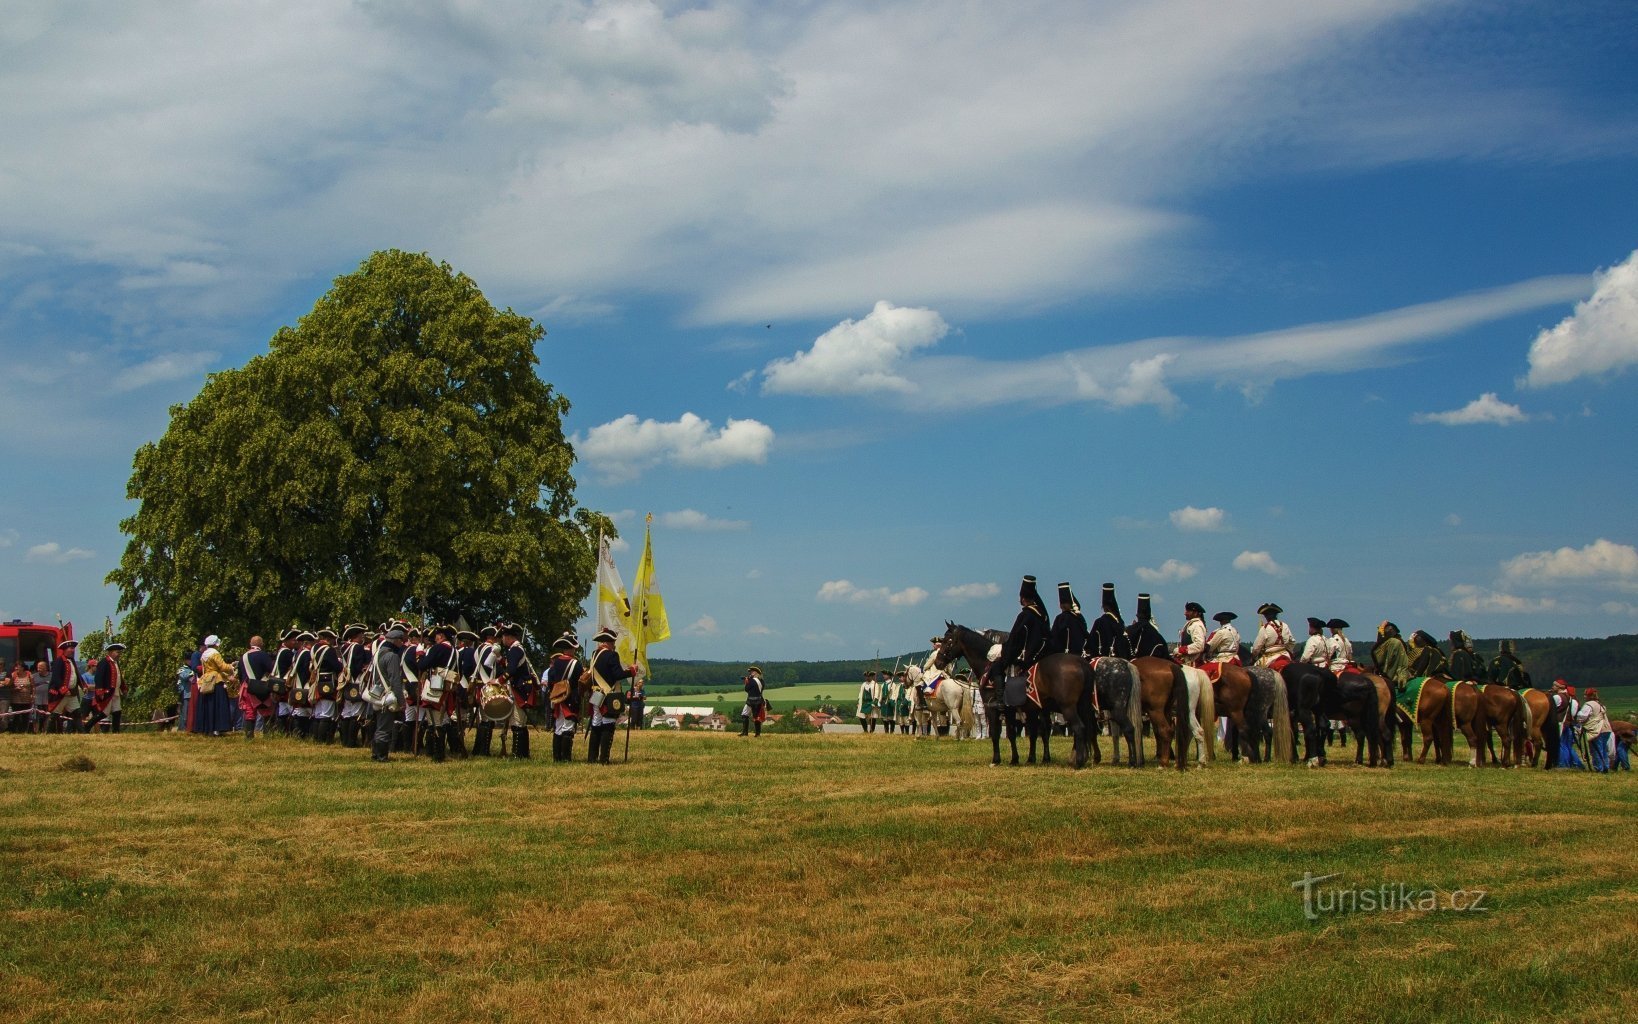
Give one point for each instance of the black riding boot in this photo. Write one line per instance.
(745, 725)
(482, 738)
(114, 721)
(455, 740)
(758, 726)
(520, 741)
(434, 739)
(608, 743)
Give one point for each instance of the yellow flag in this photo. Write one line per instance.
(613, 610)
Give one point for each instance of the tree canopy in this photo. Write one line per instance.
(394, 452)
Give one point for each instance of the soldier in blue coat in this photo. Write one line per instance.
(1146, 639)
(1028, 639)
(1107, 637)
(1069, 628)
(607, 677)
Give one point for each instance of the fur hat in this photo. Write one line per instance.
(1027, 594)
(1422, 638)
(1505, 647)
(1145, 612)
(1387, 629)
(1066, 598)
(1110, 605)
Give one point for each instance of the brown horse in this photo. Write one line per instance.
(1165, 705)
(1504, 709)
(1062, 681)
(1464, 714)
(1433, 718)
(1233, 693)
(1381, 741)
(1541, 710)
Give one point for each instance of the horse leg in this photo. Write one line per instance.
(992, 719)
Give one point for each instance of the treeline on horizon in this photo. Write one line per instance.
(1607, 661)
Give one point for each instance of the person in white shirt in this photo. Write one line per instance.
(1342, 652)
(1191, 646)
(1223, 645)
(1317, 650)
(1272, 648)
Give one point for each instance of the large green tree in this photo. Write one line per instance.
(395, 451)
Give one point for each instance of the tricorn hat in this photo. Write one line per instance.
(324, 631)
(1194, 606)
(1144, 611)
(1110, 605)
(304, 636)
(443, 630)
(353, 629)
(489, 632)
(512, 629)
(567, 642)
(68, 643)
(1316, 623)
(870, 673)
(113, 646)
(754, 670)
(466, 635)
(605, 636)
(1224, 617)
(288, 635)
(1337, 624)
(1270, 609)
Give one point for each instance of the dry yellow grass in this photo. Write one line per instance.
(865, 878)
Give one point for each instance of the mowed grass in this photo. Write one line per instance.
(782, 698)
(837, 878)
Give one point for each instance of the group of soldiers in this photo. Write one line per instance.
(1273, 645)
(889, 702)
(73, 705)
(414, 689)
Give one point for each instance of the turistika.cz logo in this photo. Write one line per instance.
(1319, 900)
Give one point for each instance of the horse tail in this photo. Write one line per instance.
(1178, 706)
(968, 722)
(1521, 723)
(1134, 708)
(1370, 715)
(1208, 716)
(1282, 721)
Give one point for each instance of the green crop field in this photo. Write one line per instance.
(792, 878)
(783, 698)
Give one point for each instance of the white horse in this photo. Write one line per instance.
(938, 691)
(1202, 714)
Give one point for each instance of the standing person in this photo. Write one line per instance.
(1342, 649)
(1191, 642)
(1464, 664)
(1145, 639)
(1107, 636)
(1223, 645)
(606, 674)
(869, 698)
(256, 699)
(107, 690)
(213, 714)
(1316, 651)
(466, 696)
(303, 678)
(63, 697)
(563, 694)
(1068, 634)
(1506, 668)
(42, 698)
(355, 665)
(1390, 657)
(326, 685)
(387, 669)
(438, 672)
(903, 701)
(486, 663)
(1595, 725)
(284, 672)
(1568, 727)
(21, 682)
(1556, 700)
(1271, 648)
(525, 685)
(756, 708)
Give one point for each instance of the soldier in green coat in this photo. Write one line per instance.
(869, 697)
(1389, 654)
(1507, 670)
(1426, 657)
(1464, 663)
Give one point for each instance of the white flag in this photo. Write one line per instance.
(613, 609)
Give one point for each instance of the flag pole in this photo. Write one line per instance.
(638, 614)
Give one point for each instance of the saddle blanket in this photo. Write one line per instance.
(1020, 690)
(1410, 698)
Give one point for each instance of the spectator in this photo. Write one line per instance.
(19, 693)
(1595, 725)
(42, 696)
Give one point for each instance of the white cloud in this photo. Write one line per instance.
(692, 519)
(161, 368)
(1259, 561)
(1487, 408)
(619, 544)
(758, 631)
(622, 449)
(1602, 561)
(1453, 520)
(8, 538)
(705, 625)
(1198, 519)
(857, 356)
(969, 591)
(844, 591)
(753, 574)
(1601, 336)
(52, 553)
(1465, 597)
(1170, 571)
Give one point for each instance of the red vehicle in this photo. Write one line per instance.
(33, 642)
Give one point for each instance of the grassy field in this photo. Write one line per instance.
(783, 698)
(842, 878)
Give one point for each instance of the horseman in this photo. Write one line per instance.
(1465, 663)
(1390, 657)
(1191, 643)
(1506, 668)
(1316, 651)
(1069, 628)
(1426, 657)
(1145, 638)
(1223, 645)
(1108, 638)
(1028, 639)
(1272, 647)
(1342, 650)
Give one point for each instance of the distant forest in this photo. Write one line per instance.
(1611, 661)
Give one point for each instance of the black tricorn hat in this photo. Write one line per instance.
(489, 632)
(605, 636)
(1270, 609)
(1194, 606)
(1337, 624)
(288, 635)
(870, 673)
(1315, 623)
(352, 630)
(324, 631)
(512, 629)
(304, 635)
(567, 642)
(1110, 605)
(446, 631)
(1224, 617)
(1144, 612)
(467, 635)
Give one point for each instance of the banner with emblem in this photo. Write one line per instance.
(613, 610)
(648, 623)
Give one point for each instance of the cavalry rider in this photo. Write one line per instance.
(1426, 657)
(1465, 663)
(606, 674)
(1069, 628)
(1223, 644)
(524, 682)
(107, 689)
(1272, 647)
(63, 696)
(1107, 638)
(1191, 643)
(1391, 659)
(755, 710)
(256, 699)
(1145, 638)
(1316, 651)
(355, 664)
(563, 694)
(869, 697)
(1028, 639)
(1507, 670)
(1342, 650)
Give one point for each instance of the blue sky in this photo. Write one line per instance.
(878, 307)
